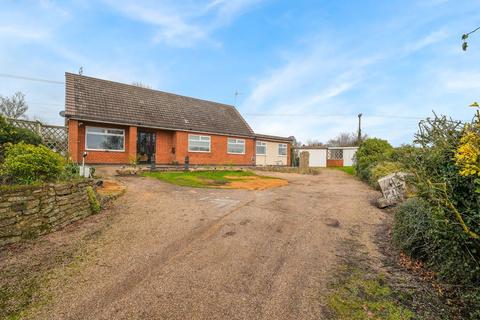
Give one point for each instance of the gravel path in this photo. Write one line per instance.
(180, 253)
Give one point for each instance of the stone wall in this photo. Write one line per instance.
(29, 211)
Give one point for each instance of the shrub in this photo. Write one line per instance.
(70, 171)
(26, 164)
(443, 227)
(9, 133)
(368, 154)
(403, 152)
(92, 198)
(383, 169)
(412, 228)
(467, 156)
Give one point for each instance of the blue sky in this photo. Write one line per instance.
(303, 68)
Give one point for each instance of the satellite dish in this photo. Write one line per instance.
(62, 113)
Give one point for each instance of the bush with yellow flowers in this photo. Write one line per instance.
(467, 155)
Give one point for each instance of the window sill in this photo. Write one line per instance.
(199, 151)
(104, 150)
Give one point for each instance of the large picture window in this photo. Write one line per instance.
(236, 146)
(197, 143)
(103, 139)
(261, 148)
(282, 149)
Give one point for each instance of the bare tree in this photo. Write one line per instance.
(141, 85)
(345, 139)
(314, 143)
(14, 106)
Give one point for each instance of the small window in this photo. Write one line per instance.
(282, 149)
(197, 143)
(236, 146)
(261, 148)
(103, 139)
(335, 154)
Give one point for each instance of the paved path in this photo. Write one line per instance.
(182, 253)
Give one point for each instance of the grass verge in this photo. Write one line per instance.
(360, 295)
(359, 291)
(201, 179)
(29, 271)
(349, 170)
(24, 287)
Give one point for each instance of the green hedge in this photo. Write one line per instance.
(370, 152)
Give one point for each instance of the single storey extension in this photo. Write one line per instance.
(272, 150)
(116, 123)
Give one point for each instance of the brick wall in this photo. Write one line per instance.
(73, 139)
(218, 151)
(334, 163)
(166, 143)
(111, 157)
(26, 212)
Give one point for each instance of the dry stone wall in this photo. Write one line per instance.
(29, 211)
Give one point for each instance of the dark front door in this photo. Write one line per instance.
(145, 147)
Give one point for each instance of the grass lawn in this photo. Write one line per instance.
(201, 179)
(349, 170)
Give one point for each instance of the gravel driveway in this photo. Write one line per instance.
(172, 252)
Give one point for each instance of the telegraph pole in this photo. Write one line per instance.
(359, 138)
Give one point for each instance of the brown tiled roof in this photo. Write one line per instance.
(106, 101)
(273, 138)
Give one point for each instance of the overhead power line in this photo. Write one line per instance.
(329, 115)
(46, 104)
(12, 76)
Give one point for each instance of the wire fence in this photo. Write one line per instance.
(54, 137)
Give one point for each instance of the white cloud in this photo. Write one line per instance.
(183, 25)
(291, 99)
(21, 32)
(459, 80)
(430, 39)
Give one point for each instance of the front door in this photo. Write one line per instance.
(145, 147)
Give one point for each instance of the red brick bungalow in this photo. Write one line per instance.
(116, 123)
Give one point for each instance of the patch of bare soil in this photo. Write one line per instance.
(111, 188)
(254, 183)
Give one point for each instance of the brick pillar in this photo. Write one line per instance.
(289, 154)
(132, 144)
(73, 140)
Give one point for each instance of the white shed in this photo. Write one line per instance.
(330, 156)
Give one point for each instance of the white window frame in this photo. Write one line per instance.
(262, 144)
(286, 149)
(104, 134)
(236, 143)
(204, 136)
